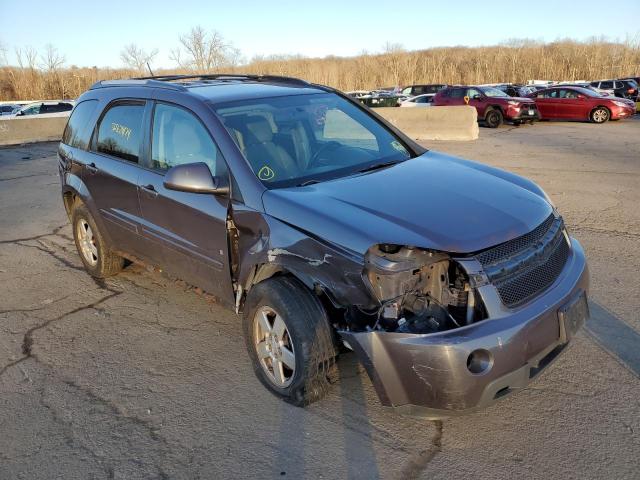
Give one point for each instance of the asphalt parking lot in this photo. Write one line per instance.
(145, 377)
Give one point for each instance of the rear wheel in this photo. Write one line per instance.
(96, 255)
(493, 118)
(289, 340)
(600, 115)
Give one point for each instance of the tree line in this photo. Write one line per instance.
(44, 75)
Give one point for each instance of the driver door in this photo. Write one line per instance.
(476, 99)
(185, 232)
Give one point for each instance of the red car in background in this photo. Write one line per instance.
(493, 106)
(577, 103)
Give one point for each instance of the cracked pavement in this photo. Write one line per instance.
(142, 376)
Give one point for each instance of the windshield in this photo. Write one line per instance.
(302, 139)
(493, 92)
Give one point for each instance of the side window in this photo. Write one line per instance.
(406, 91)
(606, 84)
(418, 90)
(180, 138)
(32, 110)
(473, 93)
(78, 130)
(120, 131)
(457, 93)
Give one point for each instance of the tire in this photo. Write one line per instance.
(600, 115)
(306, 339)
(96, 255)
(494, 118)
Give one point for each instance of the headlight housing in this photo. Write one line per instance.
(514, 103)
(620, 104)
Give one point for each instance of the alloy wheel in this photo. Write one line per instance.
(274, 346)
(87, 242)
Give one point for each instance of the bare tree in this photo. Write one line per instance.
(52, 60)
(204, 51)
(27, 57)
(136, 57)
(3, 54)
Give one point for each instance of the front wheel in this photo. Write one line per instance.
(600, 115)
(494, 118)
(289, 340)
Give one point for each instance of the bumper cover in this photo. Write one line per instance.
(428, 375)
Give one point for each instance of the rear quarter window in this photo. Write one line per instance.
(120, 131)
(78, 130)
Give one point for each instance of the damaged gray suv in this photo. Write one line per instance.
(329, 230)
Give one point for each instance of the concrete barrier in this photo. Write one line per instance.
(15, 131)
(434, 123)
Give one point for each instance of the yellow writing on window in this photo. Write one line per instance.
(121, 130)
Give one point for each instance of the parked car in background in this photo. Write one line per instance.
(454, 282)
(515, 90)
(8, 109)
(46, 109)
(494, 106)
(577, 103)
(415, 90)
(425, 100)
(618, 88)
(587, 85)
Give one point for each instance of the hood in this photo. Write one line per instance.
(432, 201)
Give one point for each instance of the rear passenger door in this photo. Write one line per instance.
(186, 232)
(110, 172)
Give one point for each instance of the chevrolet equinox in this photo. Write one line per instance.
(328, 230)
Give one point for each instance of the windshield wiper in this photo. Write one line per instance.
(307, 182)
(378, 166)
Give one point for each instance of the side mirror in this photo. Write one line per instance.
(476, 97)
(193, 178)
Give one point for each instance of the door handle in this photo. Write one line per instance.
(91, 167)
(149, 190)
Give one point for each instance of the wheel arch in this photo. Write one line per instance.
(74, 190)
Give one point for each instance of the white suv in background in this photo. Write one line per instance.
(46, 109)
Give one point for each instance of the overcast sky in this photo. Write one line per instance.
(93, 33)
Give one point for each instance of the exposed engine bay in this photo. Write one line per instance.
(419, 291)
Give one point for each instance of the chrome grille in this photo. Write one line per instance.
(524, 267)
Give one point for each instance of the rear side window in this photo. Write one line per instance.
(457, 93)
(180, 138)
(120, 132)
(606, 84)
(78, 130)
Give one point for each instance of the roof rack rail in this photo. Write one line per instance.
(227, 76)
(133, 82)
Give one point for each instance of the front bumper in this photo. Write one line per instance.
(522, 113)
(623, 112)
(428, 375)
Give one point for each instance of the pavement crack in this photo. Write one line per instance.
(45, 249)
(27, 342)
(48, 174)
(420, 460)
(54, 232)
